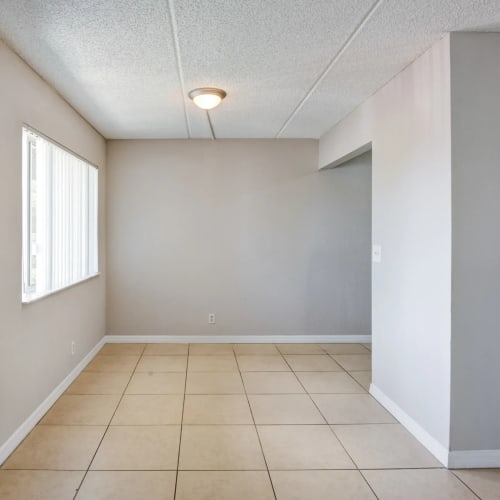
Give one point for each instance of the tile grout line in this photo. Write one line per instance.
(306, 392)
(464, 483)
(236, 470)
(330, 426)
(328, 371)
(354, 354)
(349, 372)
(218, 425)
(133, 372)
(77, 491)
(326, 420)
(366, 481)
(367, 392)
(215, 425)
(255, 425)
(359, 470)
(182, 423)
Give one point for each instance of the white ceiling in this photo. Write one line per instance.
(291, 68)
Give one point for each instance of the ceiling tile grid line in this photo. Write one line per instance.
(264, 54)
(290, 67)
(210, 125)
(366, 18)
(178, 59)
(396, 35)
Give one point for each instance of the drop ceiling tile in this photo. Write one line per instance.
(264, 54)
(113, 61)
(397, 33)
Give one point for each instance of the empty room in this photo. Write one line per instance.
(250, 250)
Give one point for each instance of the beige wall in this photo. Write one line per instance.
(247, 229)
(35, 339)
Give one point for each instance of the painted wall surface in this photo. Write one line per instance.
(408, 123)
(35, 339)
(246, 229)
(475, 368)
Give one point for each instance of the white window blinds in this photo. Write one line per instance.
(60, 216)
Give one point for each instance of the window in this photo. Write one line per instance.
(60, 245)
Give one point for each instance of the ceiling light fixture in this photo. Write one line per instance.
(206, 97)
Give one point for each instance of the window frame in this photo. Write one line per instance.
(28, 284)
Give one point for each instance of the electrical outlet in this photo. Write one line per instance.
(73, 347)
(211, 319)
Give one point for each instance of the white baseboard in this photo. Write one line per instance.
(434, 446)
(474, 459)
(239, 339)
(25, 428)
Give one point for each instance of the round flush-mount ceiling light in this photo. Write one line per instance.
(207, 98)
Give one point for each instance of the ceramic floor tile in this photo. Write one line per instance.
(485, 483)
(227, 485)
(212, 363)
(122, 349)
(321, 485)
(417, 484)
(220, 447)
(138, 448)
(214, 383)
(295, 447)
(384, 446)
(363, 378)
(38, 484)
(368, 346)
(258, 363)
(354, 362)
(271, 383)
(345, 348)
(157, 383)
(352, 409)
(329, 383)
(99, 383)
(57, 447)
(149, 410)
(312, 363)
(211, 349)
(128, 485)
(166, 349)
(124, 363)
(262, 349)
(71, 409)
(216, 409)
(300, 349)
(284, 409)
(162, 364)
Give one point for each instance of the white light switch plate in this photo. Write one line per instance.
(377, 254)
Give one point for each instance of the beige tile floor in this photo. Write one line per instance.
(221, 421)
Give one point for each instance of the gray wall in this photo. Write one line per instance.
(247, 229)
(35, 339)
(475, 369)
(408, 123)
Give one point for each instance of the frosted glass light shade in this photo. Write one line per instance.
(207, 98)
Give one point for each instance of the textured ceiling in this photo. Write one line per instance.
(291, 68)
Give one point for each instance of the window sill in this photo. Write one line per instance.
(29, 299)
